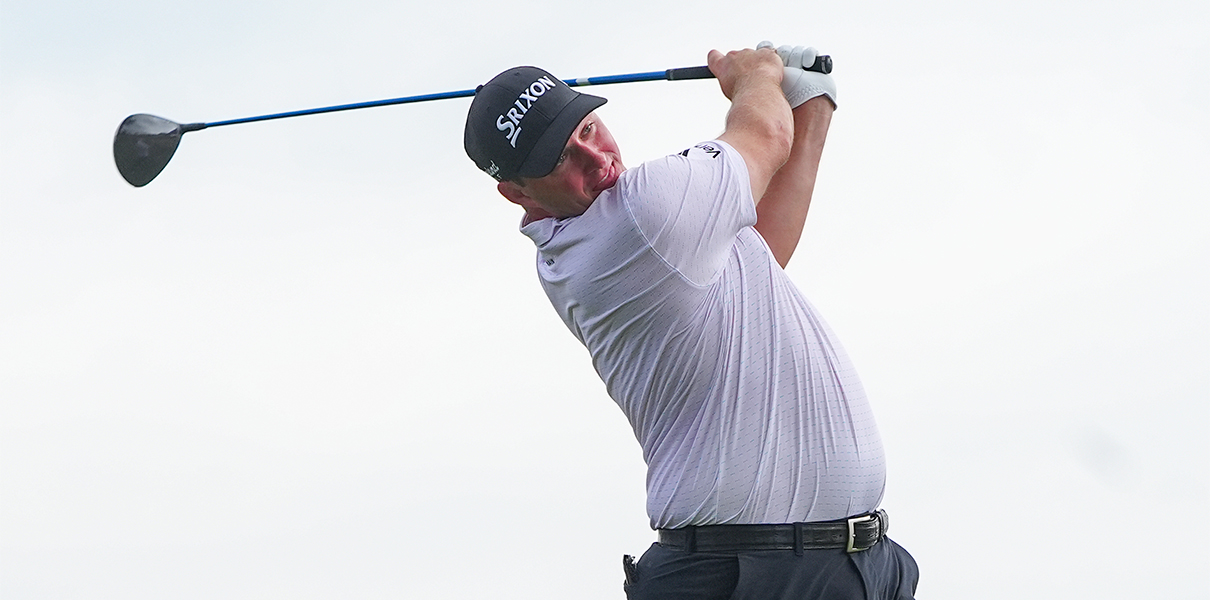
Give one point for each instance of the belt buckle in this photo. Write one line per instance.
(853, 521)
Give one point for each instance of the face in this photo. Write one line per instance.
(589, 165)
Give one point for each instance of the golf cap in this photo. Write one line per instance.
(520, 121)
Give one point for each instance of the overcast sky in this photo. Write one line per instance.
(312, 359)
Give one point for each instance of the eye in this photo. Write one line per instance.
(587, 129)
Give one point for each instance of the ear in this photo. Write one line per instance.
(514, 193)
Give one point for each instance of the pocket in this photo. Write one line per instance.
(630, 584)
(630, 569)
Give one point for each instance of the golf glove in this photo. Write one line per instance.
(799, 84)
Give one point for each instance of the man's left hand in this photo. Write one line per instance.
(799, 84)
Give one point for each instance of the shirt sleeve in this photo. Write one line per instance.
(690, 207)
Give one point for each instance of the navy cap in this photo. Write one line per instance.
(520, 121)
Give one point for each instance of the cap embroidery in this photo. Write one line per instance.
(525, 101)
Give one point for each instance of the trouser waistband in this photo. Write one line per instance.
(854, 534)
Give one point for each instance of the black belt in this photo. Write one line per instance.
(853, 534)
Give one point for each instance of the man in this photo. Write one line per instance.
(765, 469)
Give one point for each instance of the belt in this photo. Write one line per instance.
(853, 534)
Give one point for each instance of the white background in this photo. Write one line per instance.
(311, 359)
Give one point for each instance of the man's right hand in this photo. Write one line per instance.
(739, 68)
(797, 83)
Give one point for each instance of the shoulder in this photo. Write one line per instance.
(698, 197)
(710, 164)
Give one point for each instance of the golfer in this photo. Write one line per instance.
(765, 468)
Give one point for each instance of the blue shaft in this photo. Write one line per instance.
(328, 109)
(633, 77)
(670, 74)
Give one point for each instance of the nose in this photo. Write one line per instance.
(590, 155)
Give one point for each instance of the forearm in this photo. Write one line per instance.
(782, 211)
(759, 124)
(760, 111)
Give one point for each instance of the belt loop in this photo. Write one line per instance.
(691, 543)
(798, 545)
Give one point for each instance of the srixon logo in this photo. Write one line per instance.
(510, 122)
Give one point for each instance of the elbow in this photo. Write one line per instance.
(781, 139)
(778, 134)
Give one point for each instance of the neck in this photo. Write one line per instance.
(534, 214)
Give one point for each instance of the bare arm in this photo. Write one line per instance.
(759, 124)
(782, 212)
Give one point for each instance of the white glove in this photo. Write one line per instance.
(797, 83)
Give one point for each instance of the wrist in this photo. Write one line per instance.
(819, 107)
(812, 119)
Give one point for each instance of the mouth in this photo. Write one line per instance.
(609, 178)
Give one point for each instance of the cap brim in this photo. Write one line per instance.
(545, 154)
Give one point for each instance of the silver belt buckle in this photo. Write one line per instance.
(853, 532)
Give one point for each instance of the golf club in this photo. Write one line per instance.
(145, 143)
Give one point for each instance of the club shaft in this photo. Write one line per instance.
(632, 77)
(342, 107)
(823, 64)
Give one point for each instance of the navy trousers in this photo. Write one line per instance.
(884, 572)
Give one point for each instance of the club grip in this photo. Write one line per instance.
(822, 64)
(688, 73)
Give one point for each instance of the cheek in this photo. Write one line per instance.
(608, 143)
(573, 182)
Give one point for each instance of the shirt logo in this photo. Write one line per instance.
(709, 149)
(510, 122)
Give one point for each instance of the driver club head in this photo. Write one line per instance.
(143, 146)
